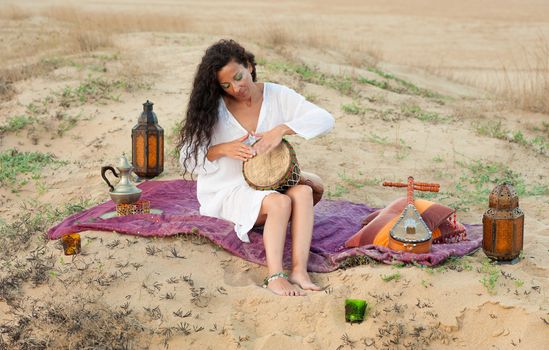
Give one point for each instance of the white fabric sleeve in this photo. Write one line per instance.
(202, 167)
(305, 118)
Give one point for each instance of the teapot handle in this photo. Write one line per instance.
(104, 169)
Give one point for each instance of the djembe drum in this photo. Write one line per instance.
(277, 170)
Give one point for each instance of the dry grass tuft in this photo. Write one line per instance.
(30, 224)
(278, 36)
(73, 31)
(317, 38)
(17, 73)
(528, 88)
(275, 36)
(31, 43)
(86, 34)
(83, 325)
(88, 41)
(288, 37)
(14, 13)
(7, 90)
(121, 22)
(16, 235)
(361, 55)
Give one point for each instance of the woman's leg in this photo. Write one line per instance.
(274, 214)
(302, 233)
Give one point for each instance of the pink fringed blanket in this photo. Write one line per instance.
(335, 222)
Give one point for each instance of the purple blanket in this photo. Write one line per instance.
(335, 222)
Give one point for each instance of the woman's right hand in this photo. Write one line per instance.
(235, 149)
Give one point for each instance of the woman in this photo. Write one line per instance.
(226, 106)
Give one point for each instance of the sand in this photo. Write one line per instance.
(185, 293)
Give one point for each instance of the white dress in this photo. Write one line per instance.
(221, 188)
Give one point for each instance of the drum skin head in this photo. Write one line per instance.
(271, 170)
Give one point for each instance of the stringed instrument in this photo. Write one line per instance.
(410, 233)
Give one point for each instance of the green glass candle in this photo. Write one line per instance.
(355, 310)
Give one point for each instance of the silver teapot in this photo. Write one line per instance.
(124, 192)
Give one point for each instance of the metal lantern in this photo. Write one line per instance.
(503, 224)
(148, 144)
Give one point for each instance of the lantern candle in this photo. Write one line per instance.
(503, 225)
(148, 144)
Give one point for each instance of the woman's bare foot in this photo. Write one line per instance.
(281, 286)
(303, 280)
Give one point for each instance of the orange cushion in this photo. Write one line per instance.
(379, 223)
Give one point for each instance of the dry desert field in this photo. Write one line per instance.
(450, 92)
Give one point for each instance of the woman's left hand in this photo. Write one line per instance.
(269, 140)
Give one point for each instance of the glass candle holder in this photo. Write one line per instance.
(71, 243)
(355, 310)
(142, 206)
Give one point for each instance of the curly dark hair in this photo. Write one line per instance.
(202, 111)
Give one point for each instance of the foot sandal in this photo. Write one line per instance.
(273, 277)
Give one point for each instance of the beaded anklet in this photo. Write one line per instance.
(273, 277)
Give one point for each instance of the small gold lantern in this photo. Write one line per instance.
(503, 224)
(148, 144)
(71, 243)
